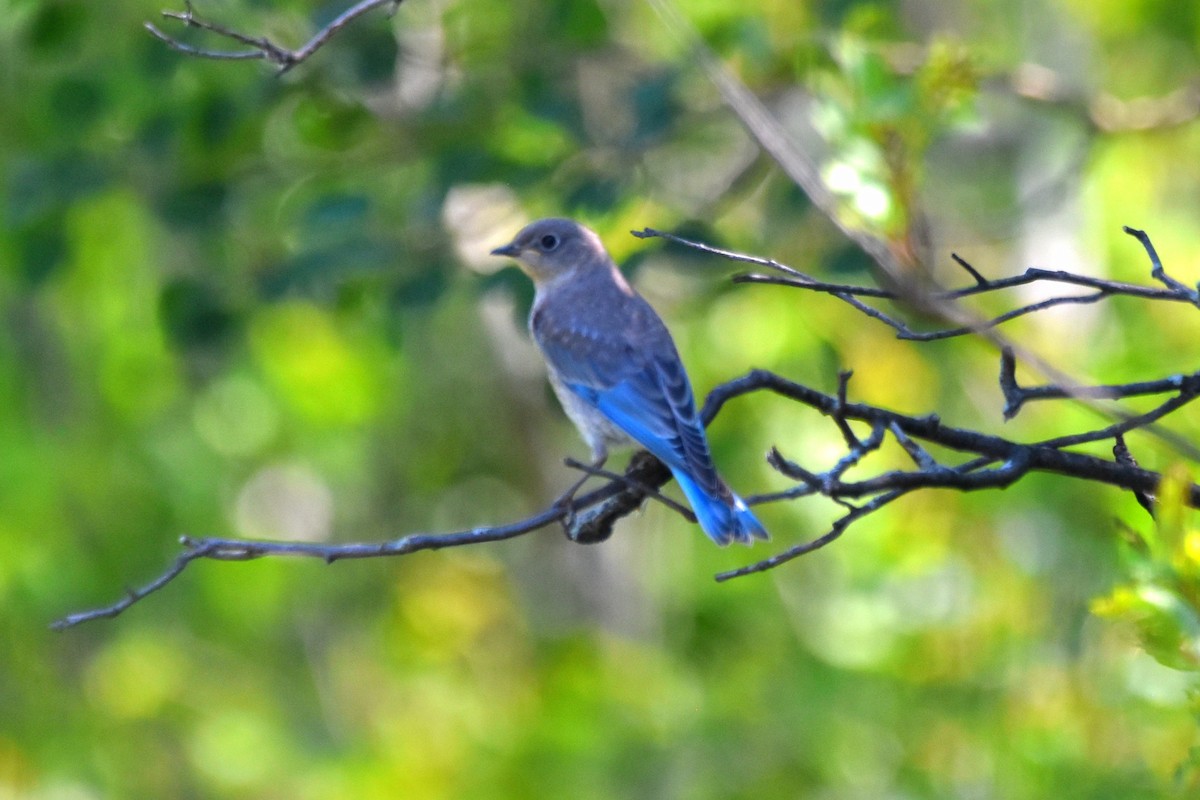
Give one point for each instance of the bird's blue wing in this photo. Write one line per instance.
(655, 407)
(623, 363)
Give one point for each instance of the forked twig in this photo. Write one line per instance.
(260, 47)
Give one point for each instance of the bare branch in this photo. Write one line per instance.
(918, 454)
(839, 527)
(1015, 395)
(1159, 274)
(905, 482)
(1047, 456)
(260, 47)
(222, 549)
(851, 294)
(843, 384)
(974, 273)
(594, 514)
(132, 595)
(651, 233)
(1187, 393)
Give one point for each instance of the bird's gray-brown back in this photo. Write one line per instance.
(599, 318)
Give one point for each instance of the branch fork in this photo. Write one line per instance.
(259, 47)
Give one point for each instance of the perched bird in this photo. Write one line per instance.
(615, 369)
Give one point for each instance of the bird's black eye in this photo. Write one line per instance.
(549, 242)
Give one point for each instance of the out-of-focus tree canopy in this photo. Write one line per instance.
(262, 306)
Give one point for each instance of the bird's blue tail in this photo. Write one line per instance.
(725, 519)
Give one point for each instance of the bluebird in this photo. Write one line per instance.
(615, 368)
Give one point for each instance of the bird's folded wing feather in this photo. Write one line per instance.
(644, 390)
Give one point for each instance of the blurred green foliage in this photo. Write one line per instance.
(1163, 598)
(250, 305)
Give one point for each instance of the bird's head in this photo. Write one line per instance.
(552, 247)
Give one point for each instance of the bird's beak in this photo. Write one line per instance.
(511, 250)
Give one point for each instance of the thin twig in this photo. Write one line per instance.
(847, 434)
(1123, 456)
(1157, 271)
(918, 454)
(974, 273)
(1186, 395)
(851, 294)
(132, 595)
(839, 527)
(224, 549)
(651, 233)
(260, 47)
